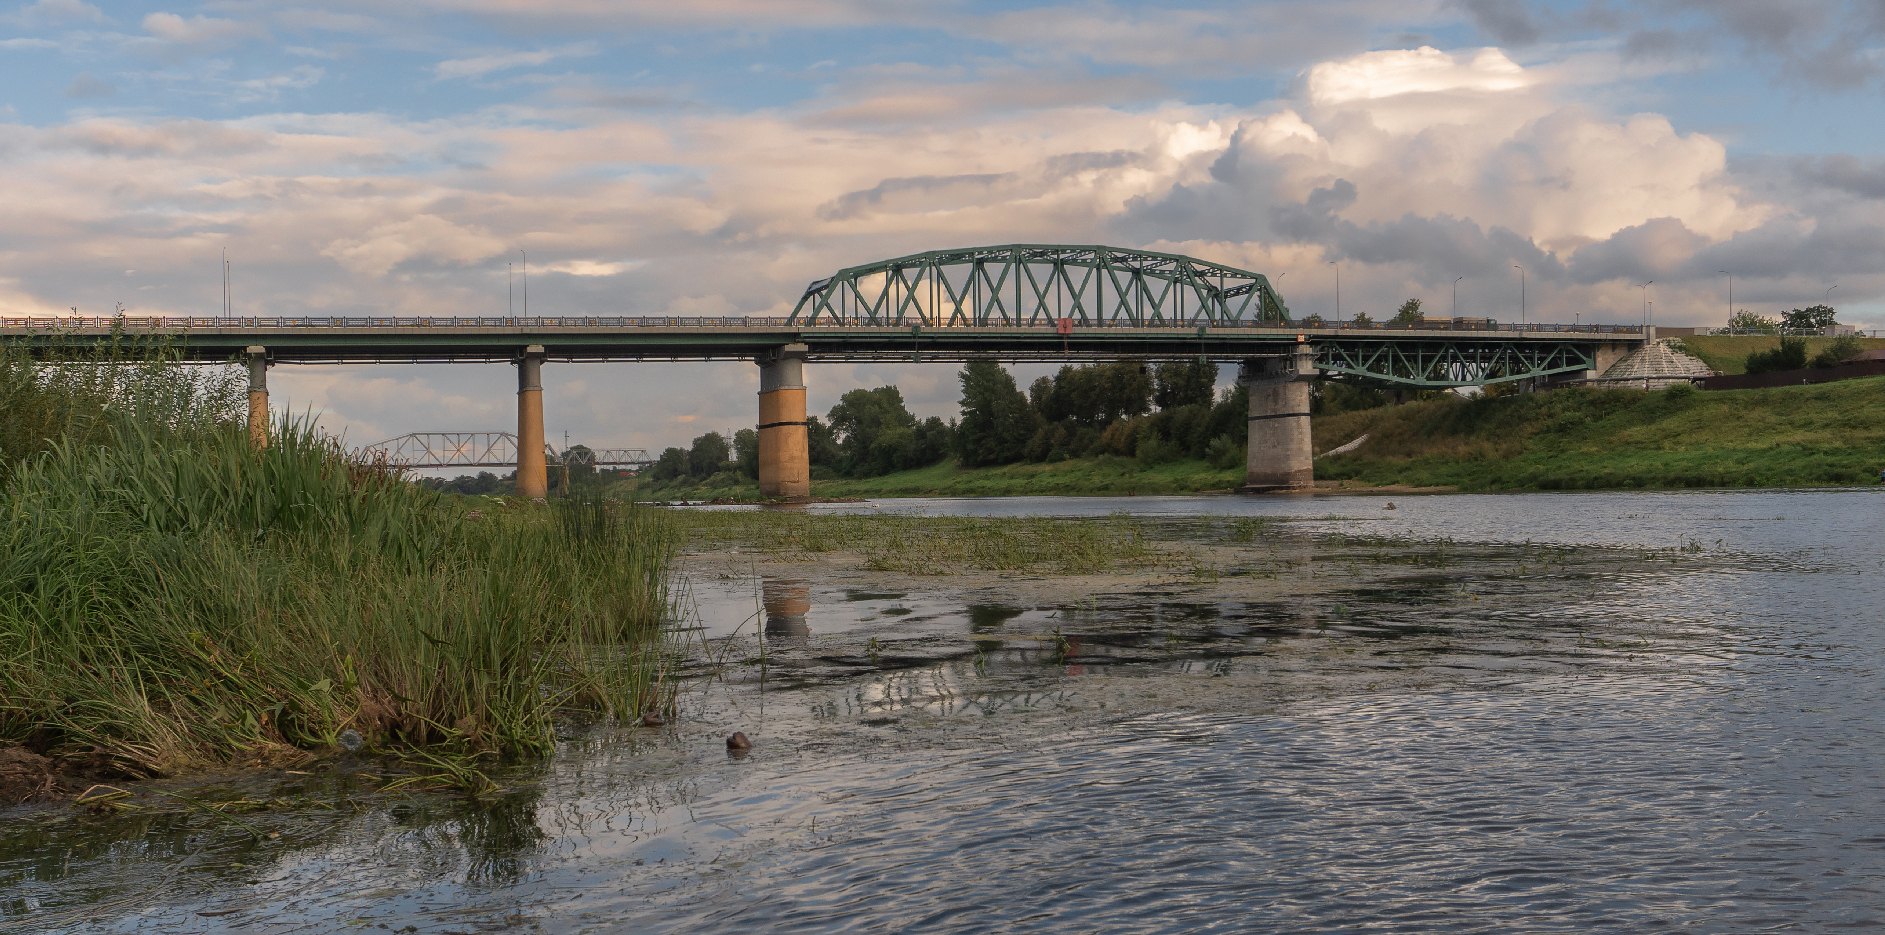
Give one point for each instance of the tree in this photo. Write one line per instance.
(861, 417)
(1816, 318)
(1362, 320)
(1184, 383)
(671, 465)
(746, 452)
(1409, 313)
(1790, 355)
(996, 418)
(822, 442)
(1746, 322)
(707, 455)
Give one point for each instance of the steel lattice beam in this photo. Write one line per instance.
(489, 449)
(1019, 285)
(1432, 363)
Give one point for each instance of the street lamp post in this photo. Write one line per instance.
(1338, 289)
(1645, 288)
(1456, 296)
(1521, 295)
(1730, 296)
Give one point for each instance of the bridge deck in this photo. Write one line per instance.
(315, 340)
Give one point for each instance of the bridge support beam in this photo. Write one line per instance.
(533, 479)
(785, 462)
(1280, 456)
(258, 396)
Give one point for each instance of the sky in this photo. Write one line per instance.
(712, 157)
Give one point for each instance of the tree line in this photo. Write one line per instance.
(1155, 412)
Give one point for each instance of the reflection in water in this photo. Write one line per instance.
(787, 601)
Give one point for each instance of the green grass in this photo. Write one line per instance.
(1102, 476)
(1827, 434)
(934, 545)
(172, 599)
(1729, 353)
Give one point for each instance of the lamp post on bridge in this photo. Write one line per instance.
(1521, 295)
(1456, 296)
(1730, 295)
(1647, 334)
(1338, 289)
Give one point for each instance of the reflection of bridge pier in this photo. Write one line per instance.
(786, 603)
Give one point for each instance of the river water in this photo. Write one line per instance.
(1617, 712)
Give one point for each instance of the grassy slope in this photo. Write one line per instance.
(1586, 439)
(1729, 353)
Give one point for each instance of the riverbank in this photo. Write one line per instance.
(1587, 439)
(175, 601)
(1566, 439)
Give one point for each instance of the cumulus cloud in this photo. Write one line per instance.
(1377, 75)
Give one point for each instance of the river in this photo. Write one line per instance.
(1616, 712)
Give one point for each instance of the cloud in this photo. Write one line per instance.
(426, 236)
(85, 85)
(593, 267)
(199, 30)
(1508, 21)
(50, 12)
(477, 66)
(1377, 75)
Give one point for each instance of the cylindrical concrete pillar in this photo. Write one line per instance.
(533, 479)
(1280, 456)
(258, 396)
(785, 461)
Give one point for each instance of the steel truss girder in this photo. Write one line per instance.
(1020, 285)
(488, 449)
(1451, 363)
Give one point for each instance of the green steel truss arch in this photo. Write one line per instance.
(1019, 285)
(1447, 363)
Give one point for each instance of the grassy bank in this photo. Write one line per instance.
(1102, 476)
(1729, 353)
(1828, 434)
(171, 599)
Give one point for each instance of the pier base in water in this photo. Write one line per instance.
(1280, 456)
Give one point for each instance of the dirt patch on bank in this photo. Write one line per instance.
(26, 776)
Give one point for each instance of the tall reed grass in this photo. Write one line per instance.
(171, 598)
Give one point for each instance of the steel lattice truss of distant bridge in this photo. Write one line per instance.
(1034, 284)
(491, 449)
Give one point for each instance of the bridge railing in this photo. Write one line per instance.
(168, 323)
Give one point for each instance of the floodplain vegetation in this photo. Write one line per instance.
(172, 599)
(935, 545)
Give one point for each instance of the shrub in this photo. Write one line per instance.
(1790, 355)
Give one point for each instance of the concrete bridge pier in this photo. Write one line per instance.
(785, 462)
(1280, 456)
(533, 477)
(258, 396)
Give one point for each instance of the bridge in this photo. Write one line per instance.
(491, 449)
(1016, 302)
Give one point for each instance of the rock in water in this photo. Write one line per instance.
(1390, 506)
(652, 719)
(738, 742)
(351, 740)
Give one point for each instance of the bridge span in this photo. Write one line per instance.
(1015, 303)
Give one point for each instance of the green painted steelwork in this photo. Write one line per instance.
(1447, 363)
(1034, 284)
